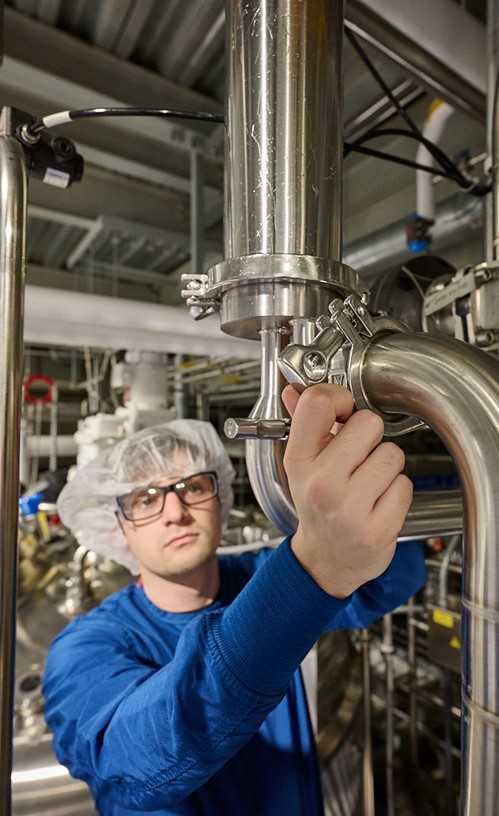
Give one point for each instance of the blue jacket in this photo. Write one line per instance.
(204, 713)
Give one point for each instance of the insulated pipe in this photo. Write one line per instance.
(454, 388)
(458, 218)
(13, 194)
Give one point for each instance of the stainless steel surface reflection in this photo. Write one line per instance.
(454, 388)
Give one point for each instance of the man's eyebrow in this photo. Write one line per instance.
(155, 483)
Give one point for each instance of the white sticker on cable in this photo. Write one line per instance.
(57, 178)
(54, 119)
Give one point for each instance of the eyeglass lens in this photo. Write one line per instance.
(142, 504)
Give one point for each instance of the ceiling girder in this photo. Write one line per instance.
(427, 42)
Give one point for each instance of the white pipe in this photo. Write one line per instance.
(60, 317)
(436, 120)
(43, 445)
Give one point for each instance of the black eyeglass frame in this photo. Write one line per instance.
(168, 489)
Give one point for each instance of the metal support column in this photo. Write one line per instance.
(13, 190)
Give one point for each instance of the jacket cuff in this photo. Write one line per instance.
(273, 623)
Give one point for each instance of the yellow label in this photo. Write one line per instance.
(443, 618)
(455, 643)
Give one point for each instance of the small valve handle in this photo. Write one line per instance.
(309, 365)
(245, 428)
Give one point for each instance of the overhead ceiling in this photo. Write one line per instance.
(132, 226)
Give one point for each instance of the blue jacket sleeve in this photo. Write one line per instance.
(194, 713)
(230, 669)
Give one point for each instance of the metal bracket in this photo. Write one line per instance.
(359, 327)
(309, 364)
(195, 295)
(49, 158)
(349, 322)
(461, 285)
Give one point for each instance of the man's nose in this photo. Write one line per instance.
(174, 510)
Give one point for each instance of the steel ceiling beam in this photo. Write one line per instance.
(420, 38)
(53, 50)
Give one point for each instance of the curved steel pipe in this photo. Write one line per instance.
(264, 456)
(454, 388)
(13, 194)
(433, 513)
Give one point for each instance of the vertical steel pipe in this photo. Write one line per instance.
(368, 804)
(454, 388)
(197, 212)
(264, 457)
(283, 190)
(492, 222)
(283, 128)
(13, 184)
(387, 650)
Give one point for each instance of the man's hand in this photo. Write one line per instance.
(350, 495)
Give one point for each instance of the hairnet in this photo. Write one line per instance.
(87, 504)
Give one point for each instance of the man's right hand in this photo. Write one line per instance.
(349, 493)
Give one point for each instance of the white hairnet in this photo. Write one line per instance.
(87, 504)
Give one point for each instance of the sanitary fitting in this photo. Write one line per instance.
(257, 428)
(351, 324)
(309, 364)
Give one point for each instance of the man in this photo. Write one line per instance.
(181, 694)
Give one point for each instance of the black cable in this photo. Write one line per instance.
(55, 119)
(449, 170)
(379, 79)
(378, 154)
(443, 160)
(437, 153)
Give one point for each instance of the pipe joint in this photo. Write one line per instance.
(349, 324)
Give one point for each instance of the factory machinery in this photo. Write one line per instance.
(407, 713)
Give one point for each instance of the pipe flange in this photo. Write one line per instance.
(394, 425)
(361, 330)
(334, 275)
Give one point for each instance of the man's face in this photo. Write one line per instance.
(183, 539)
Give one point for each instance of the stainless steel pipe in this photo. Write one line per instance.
(283, 165)
(283, 194)
(454, 388)
(13, 193)
(283, 250)
(264, 457)
(433, 513)
(283, 128)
